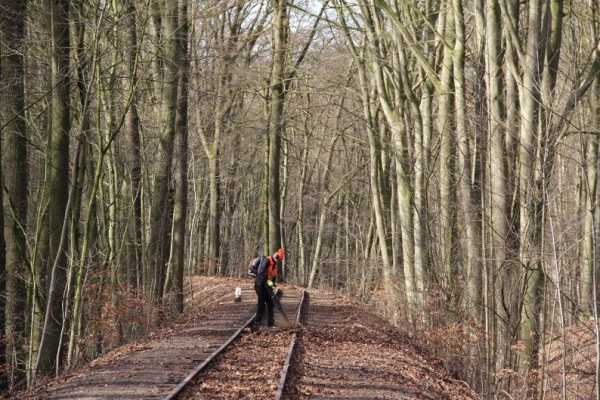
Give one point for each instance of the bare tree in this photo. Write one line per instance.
(232, 32)
(180, 212)
(57, 168)
(132, 129)
(276, 128)
(4, 378)
(161, 212)
(281, 76)
(15, 182)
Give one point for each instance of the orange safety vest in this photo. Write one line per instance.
(271, 269)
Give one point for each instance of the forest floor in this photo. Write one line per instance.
(344, 352)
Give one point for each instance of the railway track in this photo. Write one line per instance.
(339, 351)
(249, 369)
(183, 390)
(162, 369)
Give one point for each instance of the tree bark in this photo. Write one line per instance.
(276, 125)
(57, 167)
(181, 162)
(472, 299)
(132, 129)
(530, 223)
(15, 183)
(502, 280)
(4, 375)
(445, 125)
(590, 157)
(160, 217)
(316, 259)
(589, 293)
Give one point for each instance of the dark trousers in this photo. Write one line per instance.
(264, 300)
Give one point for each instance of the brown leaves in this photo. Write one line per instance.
(250, 369)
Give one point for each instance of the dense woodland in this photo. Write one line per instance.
(435, 159)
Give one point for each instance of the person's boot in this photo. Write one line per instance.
(270, 317)
(271, 321)
(255, 324)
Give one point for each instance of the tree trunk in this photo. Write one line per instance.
(590, 176)
(590, 180)
(473, 268)
(411, 202)
(396, 126)
(501, 278)
(529, 239)
(214, 208)
(15, 183)
(181, 163)
(57, 167)
(316, 259)
(276, 127)
(301, 271)
(160, 217)
(591, 232)
(4, 375)
(445, 125)
(132, 129)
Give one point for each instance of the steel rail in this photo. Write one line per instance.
(288, 358)
(175, 392)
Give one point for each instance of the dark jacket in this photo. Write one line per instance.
(267, 270)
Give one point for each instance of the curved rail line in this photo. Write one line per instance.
(155, 368)
(152, 368)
